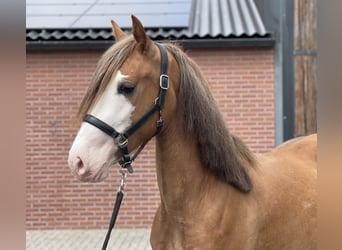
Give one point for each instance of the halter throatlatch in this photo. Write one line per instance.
(121, 139)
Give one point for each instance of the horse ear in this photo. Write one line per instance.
(143, 40)
(117, 31)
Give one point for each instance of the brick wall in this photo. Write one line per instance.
(242, 82)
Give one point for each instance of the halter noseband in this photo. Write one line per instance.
(121, 139)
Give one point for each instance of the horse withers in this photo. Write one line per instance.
(215, 194)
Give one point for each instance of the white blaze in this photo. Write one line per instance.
(95, 148)
(113, 108)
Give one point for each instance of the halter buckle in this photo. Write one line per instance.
(122, 141)
(164, 82)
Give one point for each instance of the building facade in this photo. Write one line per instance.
(60, 64)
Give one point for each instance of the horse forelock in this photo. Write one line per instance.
(223, 153)
(109, 63)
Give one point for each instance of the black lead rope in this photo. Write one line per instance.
(119, 197)
(115, 213)
(121, 139)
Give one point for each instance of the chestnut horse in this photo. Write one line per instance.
(215, 194)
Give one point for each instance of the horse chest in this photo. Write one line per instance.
(170, 233)
(174, 238)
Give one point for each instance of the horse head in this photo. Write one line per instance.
(126, 84)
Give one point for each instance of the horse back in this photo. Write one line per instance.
(301, 148)
(287, 195)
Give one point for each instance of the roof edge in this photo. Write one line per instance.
(185, 43)
(228, 43)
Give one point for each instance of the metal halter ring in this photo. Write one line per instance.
(124, 174)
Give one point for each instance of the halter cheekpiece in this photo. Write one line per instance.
(121, 139)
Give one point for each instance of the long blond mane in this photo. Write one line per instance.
(223, 153)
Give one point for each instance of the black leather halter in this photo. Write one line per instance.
(121, 139)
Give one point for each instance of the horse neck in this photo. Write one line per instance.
(180, 172)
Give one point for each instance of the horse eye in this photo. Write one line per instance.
(125, 89)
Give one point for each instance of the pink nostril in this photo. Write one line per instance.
(79, 163)
(79, 166)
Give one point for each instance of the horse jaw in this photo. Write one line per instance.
(93, 152)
